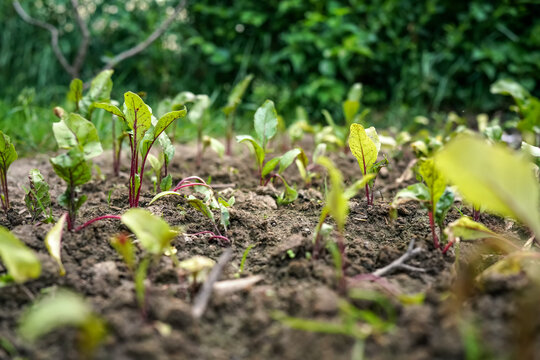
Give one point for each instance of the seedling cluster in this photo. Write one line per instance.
(458, 165)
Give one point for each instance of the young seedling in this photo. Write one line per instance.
(365, 146)
(144, 131)
(20, 262)
(99, 91)
(353, 322)
(432, 194)
(338, 134)
(307, 172)
(7, 156)
(527, 106)
(198, 116)
(80, 137)
(266, 122)
(157, 163)
(337, 206)
(235, 98)
(196, 269)
(495, 177)
(37, 197)
(205, 206)
(53, 242)
(154, 235)
(59, 309)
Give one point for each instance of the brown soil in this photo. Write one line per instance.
(241, 326)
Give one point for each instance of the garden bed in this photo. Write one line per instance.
(455, 319)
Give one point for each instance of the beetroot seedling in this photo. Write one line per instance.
(7, 156)
(80, 137)
(37, 197)
(235, 98)
(432, 194)
(154, 235)
(337, 206)
(266, 122)
(365, 146)
(144, 131)
(63, 308)
(205, 206)
(20, 262)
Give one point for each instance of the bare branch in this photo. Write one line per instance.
(149, 40)
(201, 300)
(54, 35)
(83, 47)
(400, 262)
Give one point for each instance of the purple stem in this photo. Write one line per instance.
(447, 247)
(214, 236)
(117, 217)
(190, 185)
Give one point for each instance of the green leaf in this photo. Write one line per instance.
(138, 115)
(358, 185)
(510, 87)
(350, 108)
(434, 180)
(75, 91)
(167, 146)
(100, 91)
(72, 167)
(61, 309)
(287, 159)
(153, 232)
(269, 166)
(154, 163)
(140, 276)
(101, 86)
(530, 150)
(166, 183)
(336, 201)
(416, 192)
(443, 205)
(37, 199)
(162, 194)
(467, 229)
(21, 262)
(235, 97)
(53, 242)
(355, 92)
(362, 147)
(7, 153)
(167, 119)
(259, 152)
(111, 109)
(214, 144)
(288, 196)
(76, 131)
(200, 206)
(266, 121)
(198, 110)
(125, 248)
(372, 134)
(224, 213)
(494, 177)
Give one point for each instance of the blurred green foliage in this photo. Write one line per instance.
(413, 57)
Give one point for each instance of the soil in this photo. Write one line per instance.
(458, 318)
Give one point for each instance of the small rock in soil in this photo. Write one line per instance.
(325, 301)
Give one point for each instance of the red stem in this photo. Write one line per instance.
(189, 179)
(432, 225)
(447, 247)
(214, 236)
(117, 217)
